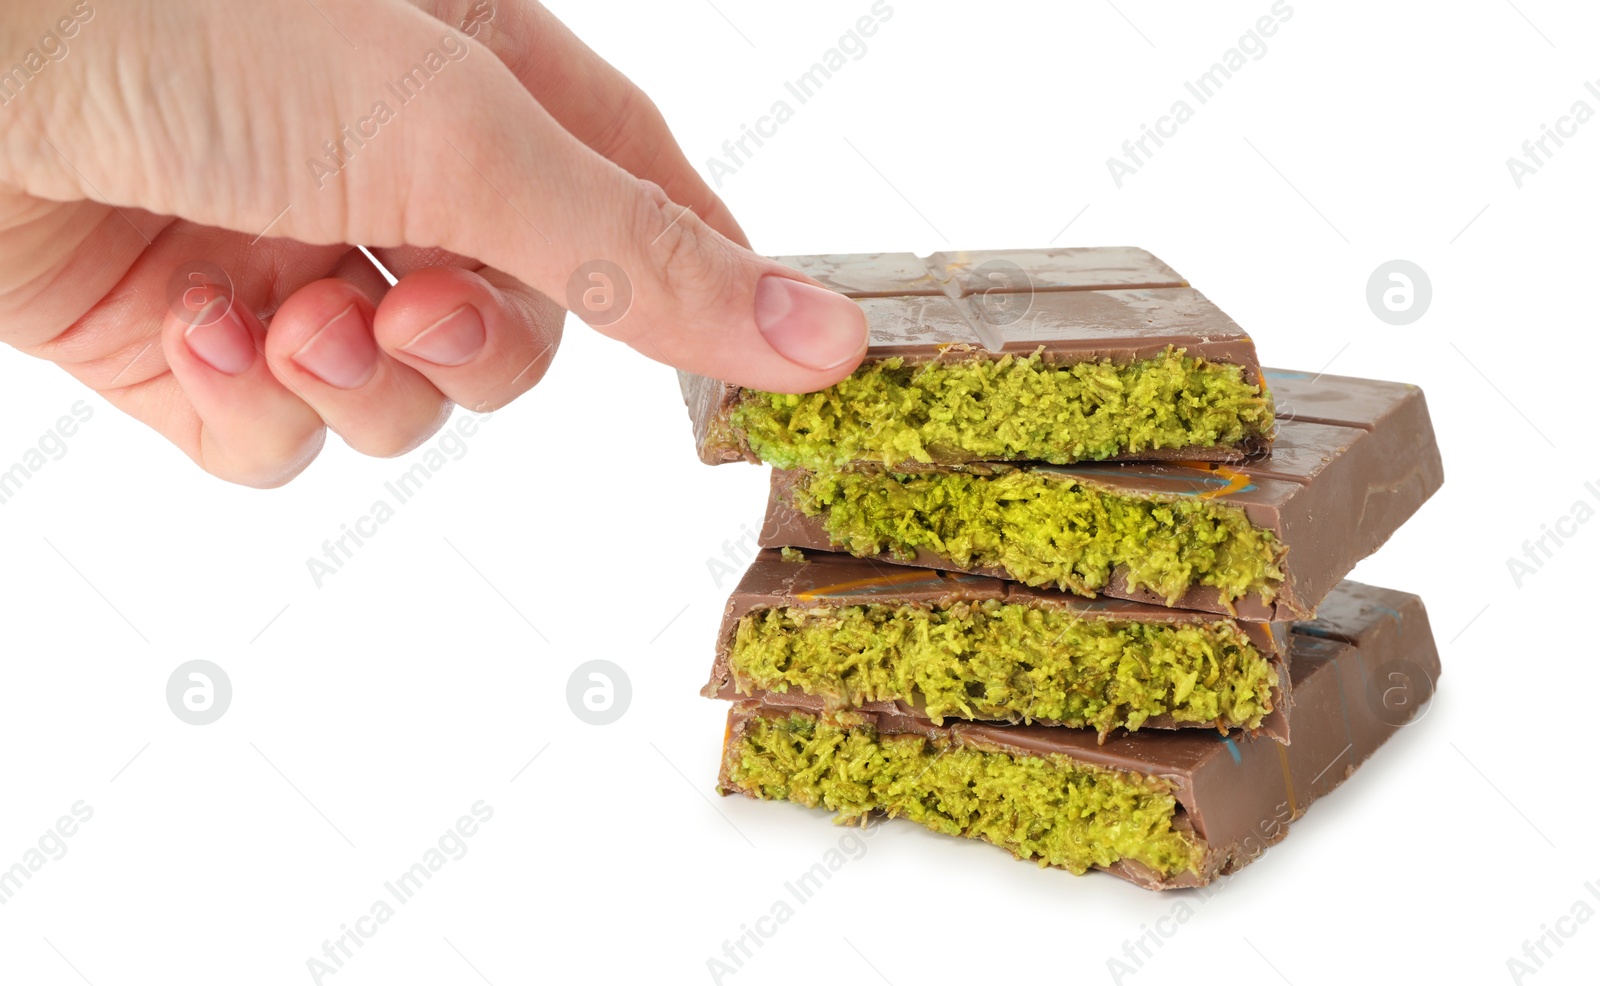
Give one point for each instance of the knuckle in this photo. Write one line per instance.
(632, 115)
(687, 275)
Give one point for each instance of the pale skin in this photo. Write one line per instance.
(153, 133)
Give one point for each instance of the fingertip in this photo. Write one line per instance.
(816, 329)
(246, 428)
(454, 340)
(323, 346)
(322, 332)
(481, 343)
(220, 339)
(698, 301)
(436, 315)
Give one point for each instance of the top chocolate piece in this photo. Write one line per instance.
(1041, 311)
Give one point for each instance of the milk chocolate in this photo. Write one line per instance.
(830, 581)
(1361, 671)
(1352, 460)
(1072, 305)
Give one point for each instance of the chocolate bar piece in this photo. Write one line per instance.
(1162, 809)
(1265, 540)
(1047, 355)
(836, 633)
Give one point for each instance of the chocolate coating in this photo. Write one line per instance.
(1360, 672)
(876, 275)
(1352, 461)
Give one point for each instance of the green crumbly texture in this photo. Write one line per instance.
(1014, 407)
(1047, 529)
(1052, 809)
(1008, 661)
(792, 554)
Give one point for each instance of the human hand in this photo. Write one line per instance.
(478, 147)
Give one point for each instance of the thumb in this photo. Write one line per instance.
(395, 129)
(690, 297)
(495, 176)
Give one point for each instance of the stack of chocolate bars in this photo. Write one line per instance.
(1059, 567)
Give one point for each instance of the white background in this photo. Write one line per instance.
(370, 713)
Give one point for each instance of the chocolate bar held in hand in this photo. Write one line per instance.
(1265, 539)
(834, 633)
(1162, 809)
(1047, 355)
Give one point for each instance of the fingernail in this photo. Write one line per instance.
(809, 325)
(451, 341)
(342, 353)
(220, 339)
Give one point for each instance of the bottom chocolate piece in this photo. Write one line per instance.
(1162, 810)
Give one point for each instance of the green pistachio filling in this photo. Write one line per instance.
(1015, 407)
(1008, 661)
(1052, 809)
(1047, 529)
